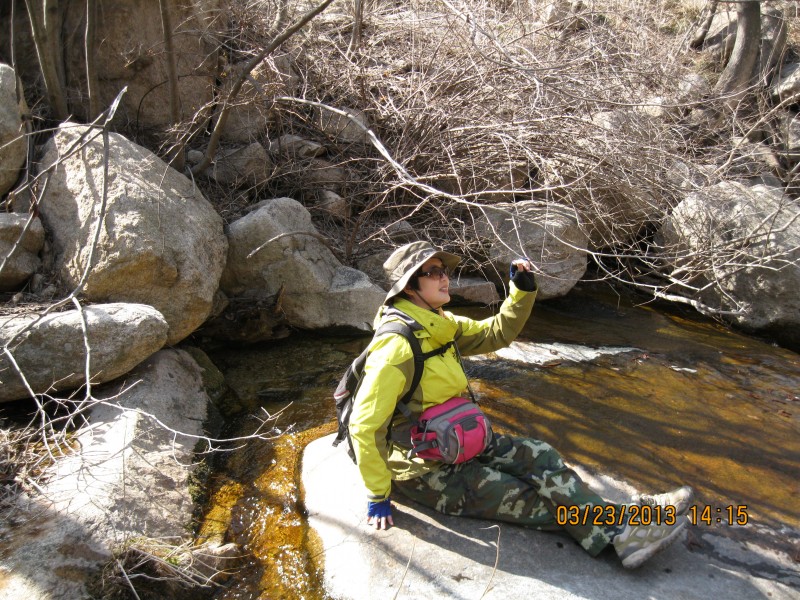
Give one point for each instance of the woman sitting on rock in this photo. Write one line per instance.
(513, 479)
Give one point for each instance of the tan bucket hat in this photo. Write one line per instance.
(406, 260)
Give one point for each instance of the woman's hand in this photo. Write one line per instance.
(379, 514)
(523, 264)
(521, 274)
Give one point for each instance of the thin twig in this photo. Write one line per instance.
(496, 560)
(405, 571)
(127, 579)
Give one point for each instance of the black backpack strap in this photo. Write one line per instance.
(420, 357)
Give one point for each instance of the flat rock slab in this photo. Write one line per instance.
(429, 555)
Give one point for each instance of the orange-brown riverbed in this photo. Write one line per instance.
(694, 403)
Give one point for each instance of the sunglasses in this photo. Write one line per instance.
(435, 273)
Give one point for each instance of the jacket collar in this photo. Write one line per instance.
(436, 324)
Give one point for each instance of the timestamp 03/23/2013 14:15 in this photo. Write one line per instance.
(634, 514)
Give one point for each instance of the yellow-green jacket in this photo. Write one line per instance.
(390, 367)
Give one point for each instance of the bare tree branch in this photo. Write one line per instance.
(228, 102)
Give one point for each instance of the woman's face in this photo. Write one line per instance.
(434, 286)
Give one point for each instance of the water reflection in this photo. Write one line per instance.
(692, 403)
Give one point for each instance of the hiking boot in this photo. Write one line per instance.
(680, 499)
(636, 543)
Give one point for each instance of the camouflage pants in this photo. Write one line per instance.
(517, 480)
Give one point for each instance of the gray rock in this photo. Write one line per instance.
(347, 129)
(690, 176)
(372, 265)
(316, 290)
(746, 242)
(321, 174)
(333, 204)
(549, 235)
(246, 166)
(51, 354)
(429, 555)
(692, 87)
(195, 156)
(774, 34)
(161, 242)
(24, 261)
(401, 232)
(296, 147)
(752, 159)
(789, 140)
(12, 144)
(250, 115)
(473, 290)
(128, 482)
(787, 84)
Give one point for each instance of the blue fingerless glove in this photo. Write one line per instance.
(379, 509)
(524, 280)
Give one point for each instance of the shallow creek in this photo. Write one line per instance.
(671, 399)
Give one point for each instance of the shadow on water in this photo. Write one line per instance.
(693, 404)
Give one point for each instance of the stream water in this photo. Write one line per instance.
(672, 399)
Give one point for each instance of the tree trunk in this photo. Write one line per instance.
(176, 154)
(92, 84)
(700, 37)
(740, 72)
(355, 39)
(45, 39)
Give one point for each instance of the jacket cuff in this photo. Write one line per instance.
(516, 294)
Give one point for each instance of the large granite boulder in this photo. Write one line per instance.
(161, 242)
(52, 356)
(28, 239)
(276, 249)
(126, 483)
(12, 144)
(549, 234)
(743, 244)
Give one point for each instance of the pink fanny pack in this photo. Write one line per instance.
(452, 432)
